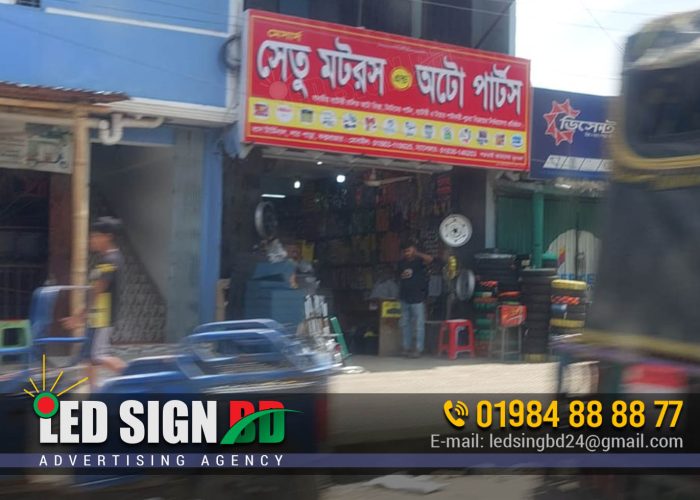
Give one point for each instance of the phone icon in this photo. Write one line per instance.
(460, 410)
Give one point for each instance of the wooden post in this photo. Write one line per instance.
(81, 207)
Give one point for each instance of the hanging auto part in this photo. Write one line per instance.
(455, 230)
(266, 220)
(465, 285)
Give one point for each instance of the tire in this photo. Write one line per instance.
(564, 331)
(537, 309)
(494, 264)
(568, 300)
(536, 290)
(542, 326)
(535, 299)
(537, 318)
(485, 300)
(501, 275)
(496, 267)
(528, 273)
(577, 286)
(566, 323)
(570, 316)
(487, 284)
(539, 281)
(561, 309)
(494, 256)
(536, 346)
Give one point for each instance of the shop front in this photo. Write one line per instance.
(554, 217)
(359, 141)
(44, 155)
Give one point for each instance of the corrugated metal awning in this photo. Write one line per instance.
(12, 90)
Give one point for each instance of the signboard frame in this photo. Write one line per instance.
(324, 87)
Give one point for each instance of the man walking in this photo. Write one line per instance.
(103, 300)
(412, 293)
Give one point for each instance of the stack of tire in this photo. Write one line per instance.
(485, 303)
(568, 308)
(499, 267)
(535, 295)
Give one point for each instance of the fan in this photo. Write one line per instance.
(372, 181)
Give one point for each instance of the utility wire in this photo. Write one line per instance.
(494, 24)
(239, 24)
(595, 20)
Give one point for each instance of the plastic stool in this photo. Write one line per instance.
(449, 338)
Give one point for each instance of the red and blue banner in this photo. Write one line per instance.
(569, 134)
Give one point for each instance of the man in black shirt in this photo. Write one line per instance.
(413, 279)
(103, 300)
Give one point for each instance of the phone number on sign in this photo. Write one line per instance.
(577, 414)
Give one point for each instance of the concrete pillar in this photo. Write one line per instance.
(183, 293)
(537, 228)
(210, 237)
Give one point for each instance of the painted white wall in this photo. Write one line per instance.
(137, 183)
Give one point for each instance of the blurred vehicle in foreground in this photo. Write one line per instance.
(251, 357)
(643, 331)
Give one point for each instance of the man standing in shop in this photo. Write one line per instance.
(413, 284)
(102, 300)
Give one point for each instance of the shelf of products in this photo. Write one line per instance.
(356, 232)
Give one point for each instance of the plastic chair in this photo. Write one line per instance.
(449, 338)
(15, 340)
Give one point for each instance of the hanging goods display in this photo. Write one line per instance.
(266, 220)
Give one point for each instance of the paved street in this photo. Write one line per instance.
(425, 375)
(434, 375)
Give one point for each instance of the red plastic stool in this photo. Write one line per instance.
(449, 338)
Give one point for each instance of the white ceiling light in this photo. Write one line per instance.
(275, 196)
(340, 178)
(297, 184)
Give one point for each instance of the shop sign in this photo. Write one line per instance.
(42, 148)
(326, 87)
(577, 255)
(569, 133)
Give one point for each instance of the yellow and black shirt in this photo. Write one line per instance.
(105, 305)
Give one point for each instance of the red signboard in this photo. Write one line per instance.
(320, 86)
